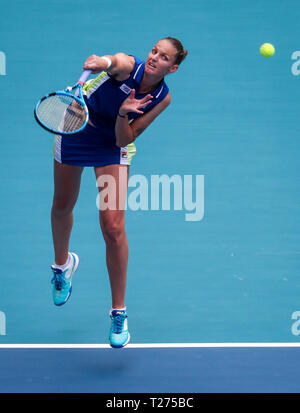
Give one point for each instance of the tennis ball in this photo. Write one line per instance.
(267, 50)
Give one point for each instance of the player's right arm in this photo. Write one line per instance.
(121, 65)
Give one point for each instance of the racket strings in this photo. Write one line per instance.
(62, 113)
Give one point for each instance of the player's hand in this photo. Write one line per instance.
(131, 104)
(95, 63)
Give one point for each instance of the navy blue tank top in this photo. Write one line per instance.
(104, 95)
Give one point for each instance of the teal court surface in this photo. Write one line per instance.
(214, 301)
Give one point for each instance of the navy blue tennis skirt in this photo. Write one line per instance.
(91, 148)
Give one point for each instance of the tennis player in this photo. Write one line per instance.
(123, 100)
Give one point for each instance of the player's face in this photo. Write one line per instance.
(160, 60)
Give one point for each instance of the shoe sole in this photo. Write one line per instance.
(76, 258)
(123, 345)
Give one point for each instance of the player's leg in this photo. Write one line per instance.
(113, 181)
(112, 223)
(67, 180)
(66, 189)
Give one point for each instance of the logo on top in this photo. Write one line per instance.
(126, 89)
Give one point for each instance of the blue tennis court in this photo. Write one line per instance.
(221, 268)
(150, 370)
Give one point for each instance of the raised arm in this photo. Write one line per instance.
(121, 65)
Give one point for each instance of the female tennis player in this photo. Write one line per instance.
(123, 100)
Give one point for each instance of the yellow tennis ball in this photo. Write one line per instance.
(267, 50)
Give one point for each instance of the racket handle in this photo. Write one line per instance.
(84, 76)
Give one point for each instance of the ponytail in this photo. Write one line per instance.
(181, 52)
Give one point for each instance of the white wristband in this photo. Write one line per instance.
(108, 61)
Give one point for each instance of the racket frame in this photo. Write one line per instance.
(65, 92)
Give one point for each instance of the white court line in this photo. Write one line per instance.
(151, 345)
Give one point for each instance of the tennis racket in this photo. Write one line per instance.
(64, 111)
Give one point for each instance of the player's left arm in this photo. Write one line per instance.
(127, 133)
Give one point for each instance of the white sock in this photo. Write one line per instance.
(114, 309)
(64, 266)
